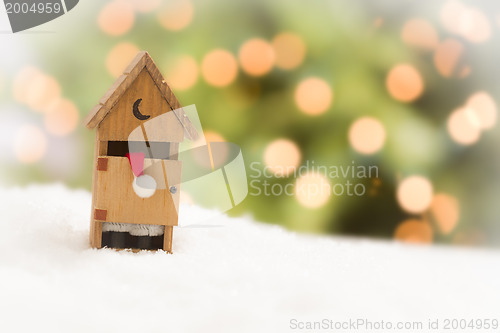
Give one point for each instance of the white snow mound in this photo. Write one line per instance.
(241, 276)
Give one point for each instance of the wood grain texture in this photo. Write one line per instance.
(115, 194)
(121, 124)
(168, 237)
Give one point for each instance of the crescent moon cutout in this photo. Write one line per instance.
(138, 113)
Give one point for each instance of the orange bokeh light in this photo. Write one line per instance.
(116, 18)
(313, 96)
(447, 57)
(282, 156)
(212, 136)
(119, 58)
(414, 231)
(256, 57)
(61, 118)
(34, 88)
(219, 68)
(414, 194)
(483, 109)
(420, 33)
(404, 83)
(312, 190)
(367, 135)
(290, 50)
(182, 73)
(176, 14)
(463, 127)
(446, 212)
(30, 144)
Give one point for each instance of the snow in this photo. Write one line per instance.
(236, 275)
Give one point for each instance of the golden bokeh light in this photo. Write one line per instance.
(182, 73)
(463, 127)
(446, 212)
(119, 57)
(219, 68)
(256, 57)
(420, 33)
(116, 18)
(313, 96)
(61, 118)
(483, 109)
(290, 50)
(212, 136)
(30, 144)
(176, 14)
(414, 194)
(404, 83)
(367, 135)
(282, 157)
(414, 231)
(447, 57)
(312, 190)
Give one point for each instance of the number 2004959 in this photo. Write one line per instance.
(25, 8)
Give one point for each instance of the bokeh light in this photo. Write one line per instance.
(446, 212)
(116, 18)
(182, 73)
(468, 22)
(176, 14)
(367, 135)
(61, 118)
(36, 89)
(212, 136)
(414, 194)
(290, 50)
(404, 83)
(420, 33)
(463, 127)
(219, 68)
(313, 96)
(447, 57)
(312, 190)
(21, 81)
(414, 231)
(119, 57)
(483, 109)
(282, 156)
(30, 144)
(256, 57)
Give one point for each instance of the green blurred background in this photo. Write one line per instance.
(408, 86)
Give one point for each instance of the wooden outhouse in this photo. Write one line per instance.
(136, 98)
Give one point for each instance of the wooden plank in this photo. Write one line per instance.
(137, 64)
(115, 194)
(122, 121)
(168, 237)
(114, 92)
(92, 238)
(91, 120)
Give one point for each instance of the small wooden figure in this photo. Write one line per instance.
(123, 216)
